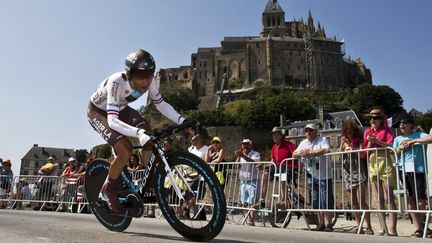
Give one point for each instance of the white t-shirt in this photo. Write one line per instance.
(318, 167)
(199, 152)
(249, 172)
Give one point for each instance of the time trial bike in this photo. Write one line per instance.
(187, 191)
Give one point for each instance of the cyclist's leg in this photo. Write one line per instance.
(109, 189)
(135, 119)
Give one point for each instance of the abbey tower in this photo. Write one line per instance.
(294, 54)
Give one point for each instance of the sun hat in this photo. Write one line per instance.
(216, 139)
(376, 112)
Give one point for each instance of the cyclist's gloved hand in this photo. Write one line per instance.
(143, 137)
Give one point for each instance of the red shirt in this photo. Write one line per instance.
(284, 151)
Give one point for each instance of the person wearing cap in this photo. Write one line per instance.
(198, 147)
(6, 178)
(249, 176)
(281, 154)
(411, 155)
(69, 182)
(381, 170)
(319, 174)
(215, 155)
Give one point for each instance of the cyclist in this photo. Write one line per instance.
(109, 114)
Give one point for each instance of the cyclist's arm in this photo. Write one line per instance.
(163, 107)
(113, 111)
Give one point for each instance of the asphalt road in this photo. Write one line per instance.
(29, 226)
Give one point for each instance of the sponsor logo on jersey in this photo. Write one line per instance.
(114, 90)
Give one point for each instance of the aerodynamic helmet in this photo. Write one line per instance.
(140, 60)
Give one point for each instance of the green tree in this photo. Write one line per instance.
(81, 155)
(426, 121)
(103, 151)
(369, 96)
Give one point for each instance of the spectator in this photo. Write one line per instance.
(69, 179)
(282, 150)
(22, 194)
(81, 191)
(215, 155)
(45, 182)
(83, 168)
(249, 177)
(355, 171)
(198, 147)
(319, 174)
(6, 177)
(381, 170)
(134, 163)
(413, 160)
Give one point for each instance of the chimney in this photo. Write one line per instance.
(282, 120)
(321, 113)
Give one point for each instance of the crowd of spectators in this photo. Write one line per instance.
(364, 159)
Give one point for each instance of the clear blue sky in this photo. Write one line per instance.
(54, 53)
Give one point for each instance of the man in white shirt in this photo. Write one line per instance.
(249, 176)
(198, 148)
(311, 151)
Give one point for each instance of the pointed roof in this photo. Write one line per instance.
(310, 14)
(273, 7)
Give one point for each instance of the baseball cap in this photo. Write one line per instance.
(407, 119)
(50, 158)
(310, 126)
(71, 159)
(247, 140)
(278, 129)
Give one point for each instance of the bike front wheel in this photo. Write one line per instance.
(201, 216)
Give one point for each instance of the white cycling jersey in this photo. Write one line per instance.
(115, 93)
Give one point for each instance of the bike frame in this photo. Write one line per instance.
(157, 151)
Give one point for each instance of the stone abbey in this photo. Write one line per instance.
(292, 55)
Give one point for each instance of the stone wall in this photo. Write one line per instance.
(231, 137)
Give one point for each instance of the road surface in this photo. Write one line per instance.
(29, 226)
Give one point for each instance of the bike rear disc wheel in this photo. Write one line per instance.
(202, 216)
(96, 174)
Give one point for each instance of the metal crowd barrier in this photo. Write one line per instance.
(275, 190)
(413, 164)
(41, 192)
(339, 175)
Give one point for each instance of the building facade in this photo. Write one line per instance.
(296, 55)
(37, 156)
